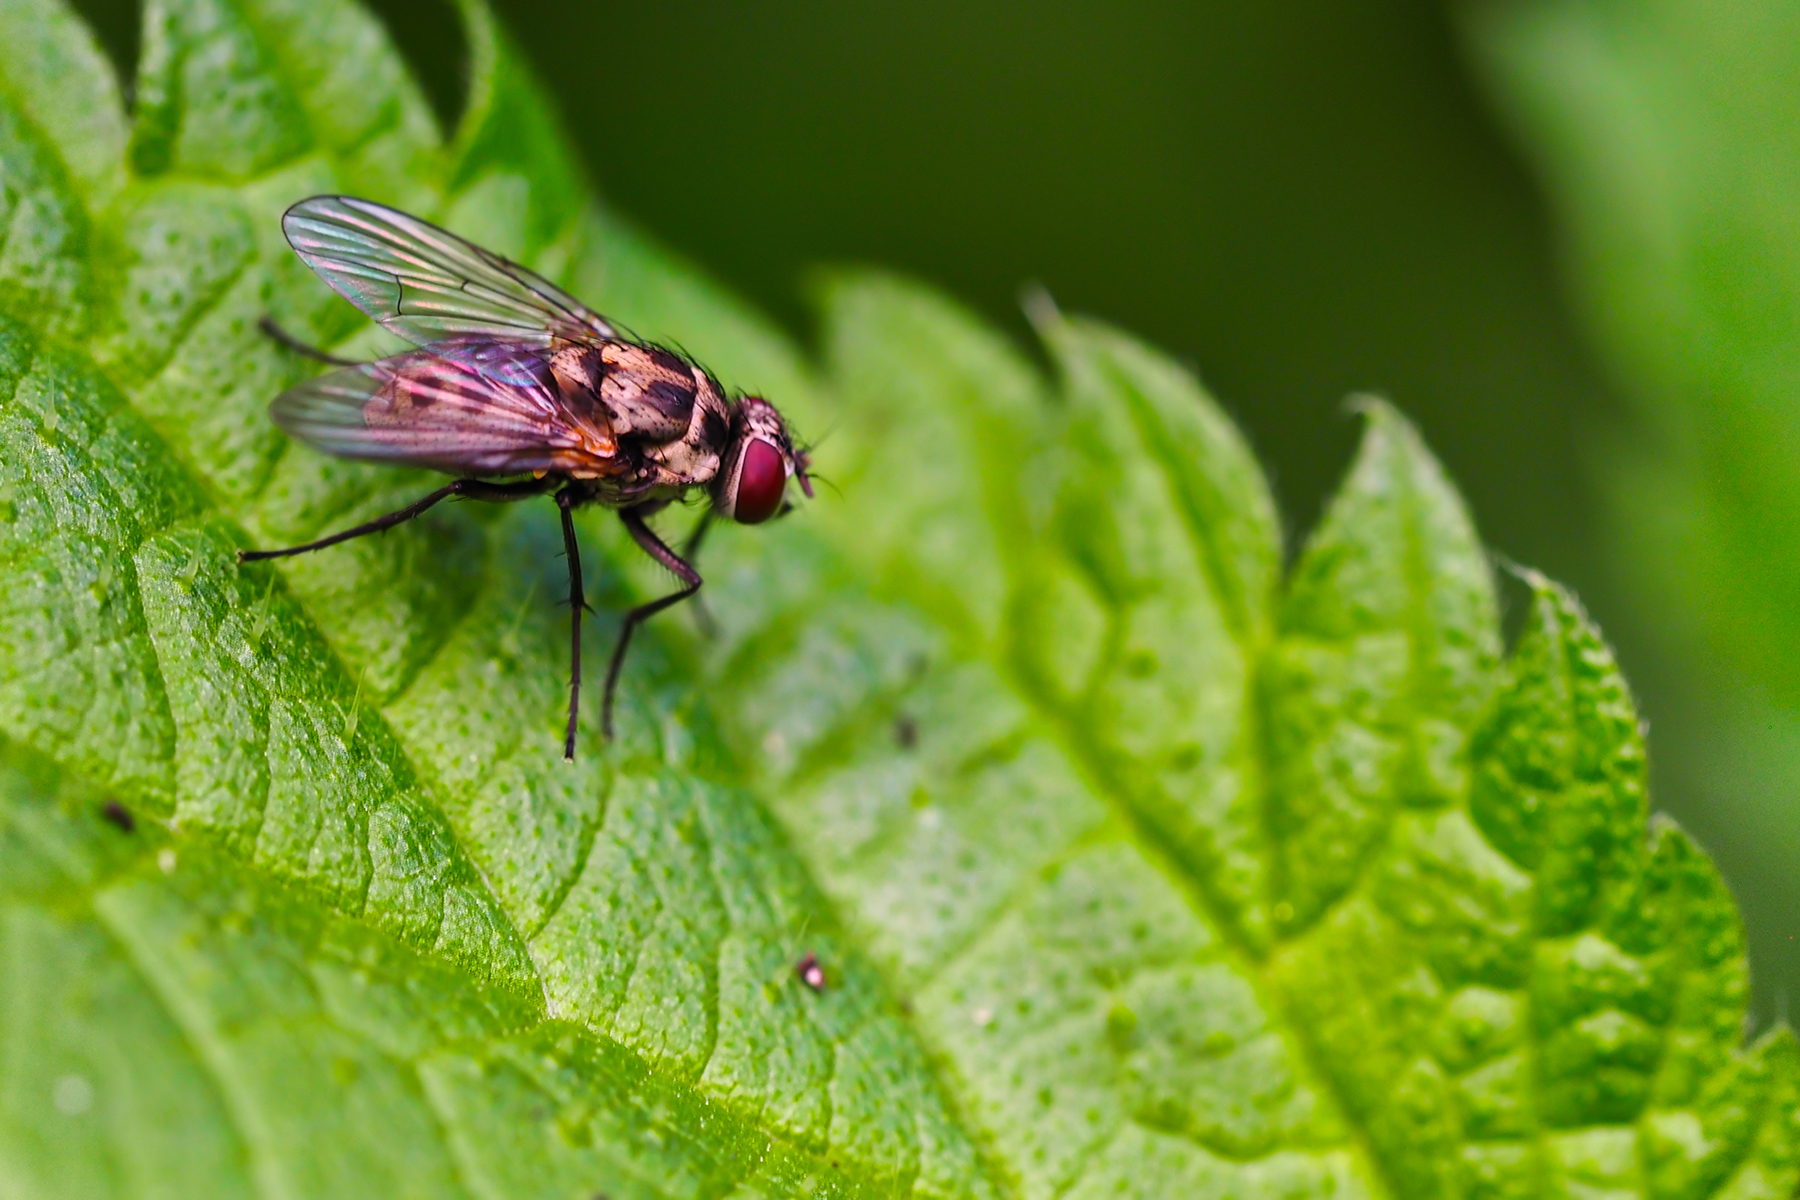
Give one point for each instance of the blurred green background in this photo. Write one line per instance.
(1305, 201)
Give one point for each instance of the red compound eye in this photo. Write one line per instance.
(761, 483)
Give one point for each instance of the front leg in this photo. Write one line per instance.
(682, 570)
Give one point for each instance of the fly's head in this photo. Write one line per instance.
(760, 457)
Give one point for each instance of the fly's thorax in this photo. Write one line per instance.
(666, 417)
(694, 457)
(646, 392)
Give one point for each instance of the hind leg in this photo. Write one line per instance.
(474, 489)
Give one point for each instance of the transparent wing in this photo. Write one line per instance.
(468, 408)
(428, 285)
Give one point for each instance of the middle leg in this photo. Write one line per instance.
(565, 503)
(656, 548)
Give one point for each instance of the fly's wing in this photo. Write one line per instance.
(428, 285)
(466, 408)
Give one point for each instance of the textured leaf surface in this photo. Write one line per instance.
(1135, 868)
(1664, 132)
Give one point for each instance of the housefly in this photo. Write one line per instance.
(517, 389)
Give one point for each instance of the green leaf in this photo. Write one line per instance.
(1664, 130)
(1664, 134)
(1134, 869)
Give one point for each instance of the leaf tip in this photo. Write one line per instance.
(1040, 309)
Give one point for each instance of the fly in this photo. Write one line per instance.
(516, 389)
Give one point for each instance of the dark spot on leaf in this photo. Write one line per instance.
(117, 814)
(1120, 1024)
(906, 732)
(574, 1130)
(810, 972)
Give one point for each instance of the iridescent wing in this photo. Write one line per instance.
(469, 407)
(426, 284)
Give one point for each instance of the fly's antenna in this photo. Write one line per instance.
(803, 456)
(826, 480)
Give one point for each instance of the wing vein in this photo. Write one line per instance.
(375, 256)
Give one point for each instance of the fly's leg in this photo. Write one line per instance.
(655, 548)
(474, 489)
(269, 327)
(566, 500)
(690, 550)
